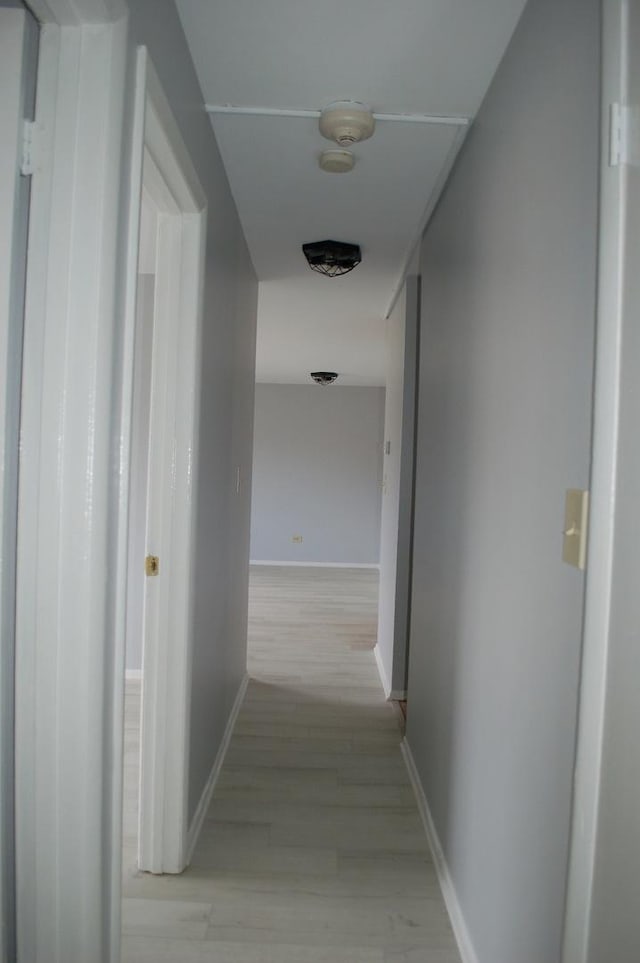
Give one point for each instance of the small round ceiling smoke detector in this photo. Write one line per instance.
(324, 377)
(335, 161)
(347, 122)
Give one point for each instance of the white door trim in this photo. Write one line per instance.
(76, 427)
(166, 669)
(69, 625)
(18, 69)
(599, 573)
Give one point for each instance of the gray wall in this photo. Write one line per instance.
(614, 932)
(507, 331)
(397, 489)
(226, 405)
(317, 473)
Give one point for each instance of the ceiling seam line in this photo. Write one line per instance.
(450, 121)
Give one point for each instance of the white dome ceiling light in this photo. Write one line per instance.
(347, 122)
(335, 161)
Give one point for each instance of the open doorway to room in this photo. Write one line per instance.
(166, 258)
(137, 534)
(396, 523)
(333, 476)
(315, 524)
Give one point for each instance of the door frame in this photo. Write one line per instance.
(74, 474)
(18, 69)
(604, 491)
(69, 624)
(161, 158)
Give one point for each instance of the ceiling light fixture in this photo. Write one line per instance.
(332, 258)
(347, 122)
(336, 161)
(324, 377)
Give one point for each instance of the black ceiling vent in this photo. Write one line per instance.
(332, 257)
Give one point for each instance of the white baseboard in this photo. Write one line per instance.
(386, 685)
(461, 933)
(133, 675)
(395, 695)
(207, 793)
(317, 564)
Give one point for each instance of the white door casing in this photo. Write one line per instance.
(603, 492)
(73, 500)
(174, 188)
(68, 626)
(18, 66)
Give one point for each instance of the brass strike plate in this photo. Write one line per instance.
(151, 565)
(576, 514)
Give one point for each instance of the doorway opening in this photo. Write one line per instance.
(139, 479)
(166, 266)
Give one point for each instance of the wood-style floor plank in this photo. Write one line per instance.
(312, 850)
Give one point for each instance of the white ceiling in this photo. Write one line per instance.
(409, 56)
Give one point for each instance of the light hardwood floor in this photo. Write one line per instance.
(313, 850)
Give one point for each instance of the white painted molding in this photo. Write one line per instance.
(391, 695)
(461, 933)
(610, 321)
(133, 675)
(69, 633)
(132, 186)
(312, 113)
(386, 685)
(371, 565)
(172, 183)
(207, 793)
(18, 59)
(166, 145)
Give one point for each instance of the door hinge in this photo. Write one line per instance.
(619, 126)
(31, 147)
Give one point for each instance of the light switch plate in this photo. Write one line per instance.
(576, 514)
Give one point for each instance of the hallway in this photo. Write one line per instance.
(313, 850)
